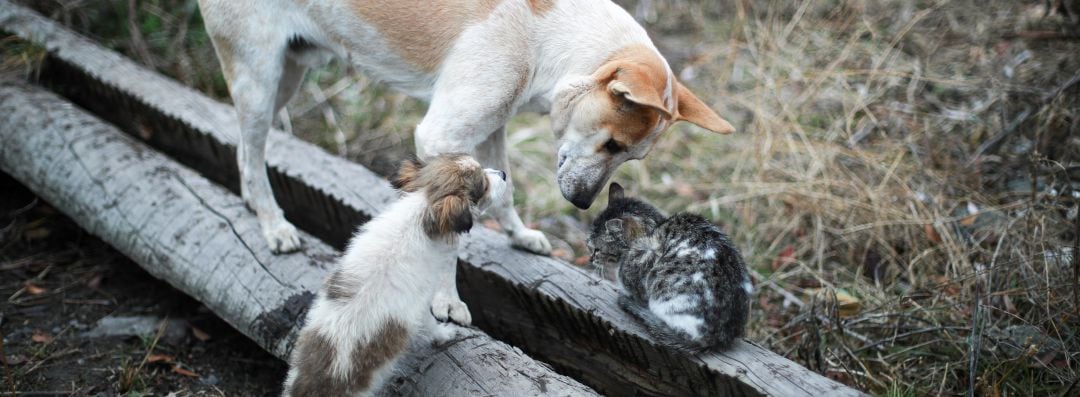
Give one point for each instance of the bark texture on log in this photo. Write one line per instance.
(202, 239)
(554, 311)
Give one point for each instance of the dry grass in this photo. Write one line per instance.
(896, 250)
(904, 183)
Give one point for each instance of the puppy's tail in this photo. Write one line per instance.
(661, 332)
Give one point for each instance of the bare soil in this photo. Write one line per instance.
(57, 282)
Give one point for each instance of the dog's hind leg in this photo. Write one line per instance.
(291, 77)
(492, 154)
(255, 74)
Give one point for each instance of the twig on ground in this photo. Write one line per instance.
(1076, 265)
(138, 43)
(798, 302)
(129, 374)
(1013, 126)
(7, 369)
(975, 342)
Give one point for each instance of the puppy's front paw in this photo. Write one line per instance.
(281, 236)
(446, 332)
(446, 308)
(531, 240)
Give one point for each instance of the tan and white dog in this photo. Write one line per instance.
(476, 62)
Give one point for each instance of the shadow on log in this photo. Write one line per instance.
(555, 312)
(202, 239)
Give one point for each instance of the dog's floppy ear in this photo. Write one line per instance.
(405, 176)
(634, 82)
(695, 111)
(447, 216)
(615, 192)
(634, 85)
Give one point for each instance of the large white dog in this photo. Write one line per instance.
(477, 62)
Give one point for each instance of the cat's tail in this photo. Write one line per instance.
(661, 332)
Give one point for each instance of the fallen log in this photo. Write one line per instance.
(555, 312)
(202, 240)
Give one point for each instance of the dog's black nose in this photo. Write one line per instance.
(502, 174)
(582, 202)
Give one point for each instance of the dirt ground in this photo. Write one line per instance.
(57, 284)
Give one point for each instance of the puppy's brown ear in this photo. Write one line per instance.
(447, 216)
(615, 192)
(695, 111)
(405, 176)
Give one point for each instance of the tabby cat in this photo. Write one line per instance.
(680, 276)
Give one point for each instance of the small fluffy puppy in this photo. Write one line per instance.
(379, 298)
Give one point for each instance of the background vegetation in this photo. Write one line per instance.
(904, 182)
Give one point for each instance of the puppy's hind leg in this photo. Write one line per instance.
(256, 79)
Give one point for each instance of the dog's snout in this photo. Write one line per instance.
(502, 174)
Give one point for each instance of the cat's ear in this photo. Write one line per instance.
(615, 226)
(615, 192)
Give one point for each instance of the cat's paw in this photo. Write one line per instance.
(449, 308)
(531, 240)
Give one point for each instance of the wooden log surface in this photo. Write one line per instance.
(201, 239)
(555, 312)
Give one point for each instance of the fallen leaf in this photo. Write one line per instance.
(684, 190)
(200, 334)
(786, 256)
(839, 376)
(581, 260)
(33, 289)
(41, 337)
(157, 357)
(969, 220)
(932, 233)
(13, 360)
(185, 372)
(145, 132)
(847, 305)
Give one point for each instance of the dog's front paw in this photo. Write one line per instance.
(531, 240)
(447, 308)
(281, 236)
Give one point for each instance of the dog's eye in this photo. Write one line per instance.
(611, 146)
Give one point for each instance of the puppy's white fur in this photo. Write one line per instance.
(390, 272)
